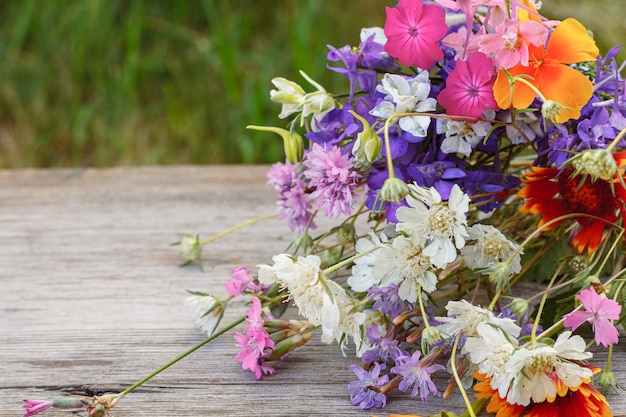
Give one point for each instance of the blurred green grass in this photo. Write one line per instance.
(120, 82)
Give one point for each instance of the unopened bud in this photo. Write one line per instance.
(191, 249)
(519, 306)
(346, 234)
(599, 163)
(550, 110)
(289, 344)
(394, 190)
(292, 141)
(607, 380)
(368, 144)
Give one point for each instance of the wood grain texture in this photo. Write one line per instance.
(91, 296)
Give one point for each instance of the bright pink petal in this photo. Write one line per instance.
(605, 332)
(576, 318)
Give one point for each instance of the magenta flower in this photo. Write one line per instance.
(413, 33)
(469, 87)
(256, 345)
(598, 312)
(35, 406)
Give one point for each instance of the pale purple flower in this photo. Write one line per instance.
(469, 88)
(362, 395)
(294, 203)
(383, 347)
(256, 345)
(36, 406)
(417, 375)
(598, 312)
(331, 174)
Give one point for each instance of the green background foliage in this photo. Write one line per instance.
(120, 82)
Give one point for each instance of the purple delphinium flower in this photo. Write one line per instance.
(294, 203)
(417, 375)
(384, 348)
(256, 344)
(331, 174)
(362, 395)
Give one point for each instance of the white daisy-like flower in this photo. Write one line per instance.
(362, 278)
(403, 262)
(426, 217)
(465, 318)
(307, 288)
(491, 247)
(534, 372)
(200, 305)
(491, 351)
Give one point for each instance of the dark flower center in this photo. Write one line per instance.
(593, 198)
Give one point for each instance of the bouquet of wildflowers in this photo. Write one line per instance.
(476, 146)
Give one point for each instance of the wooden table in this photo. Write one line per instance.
(91, 295)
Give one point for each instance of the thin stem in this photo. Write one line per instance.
(459, 383)
(422, 308)
(178, 358)
(533, 333)
(237, 227)
(347, 261)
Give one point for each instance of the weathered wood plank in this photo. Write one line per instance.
(91, 294)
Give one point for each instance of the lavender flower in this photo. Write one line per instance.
(417, 375)
(364, 396)
(294, 203)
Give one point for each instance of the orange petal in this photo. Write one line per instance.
(570, 43)
(567, 87)
(523, 95)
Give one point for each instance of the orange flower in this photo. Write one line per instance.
(569, 43)
(584, 401)
(552, 195)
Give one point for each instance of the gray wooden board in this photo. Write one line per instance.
(91, 295)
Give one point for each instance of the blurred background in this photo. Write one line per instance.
(128, 82)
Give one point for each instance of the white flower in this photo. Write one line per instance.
(461, 136)
(533, 372)
(491, 247)
(307, 288)
(289, 94)
(439, 224)
(200, 304)
(406, 95)
(362, 278)
(529, 125)
(491, 351)
(468, 317)
(378, 32)
(403, 262)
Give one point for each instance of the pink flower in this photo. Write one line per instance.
(241, 281)
(509, 45)
(598, 311)
(332, 175)
(35, 406)
(469, 87)
(413, 33)
(256, 345)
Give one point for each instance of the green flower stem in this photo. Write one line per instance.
(611, 251)
(422, 308)
(178, 358)
(347, 261)
(534, 234)
(476, 407)
(468, 404)
(616, 140)
(237, 227)
(533, 333)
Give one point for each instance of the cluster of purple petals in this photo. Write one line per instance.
(601, 119)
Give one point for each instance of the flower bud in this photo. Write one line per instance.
(550, 110)
(499, 274)
(430, 335)
(368, 144)
(191, 249)
(519, 306)
(346, 235)
(292, 142)
(608, 380)
(289, 94)
(394, 190)
(599, 163)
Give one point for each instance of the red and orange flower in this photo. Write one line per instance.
(583, 401)
(553, 193)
